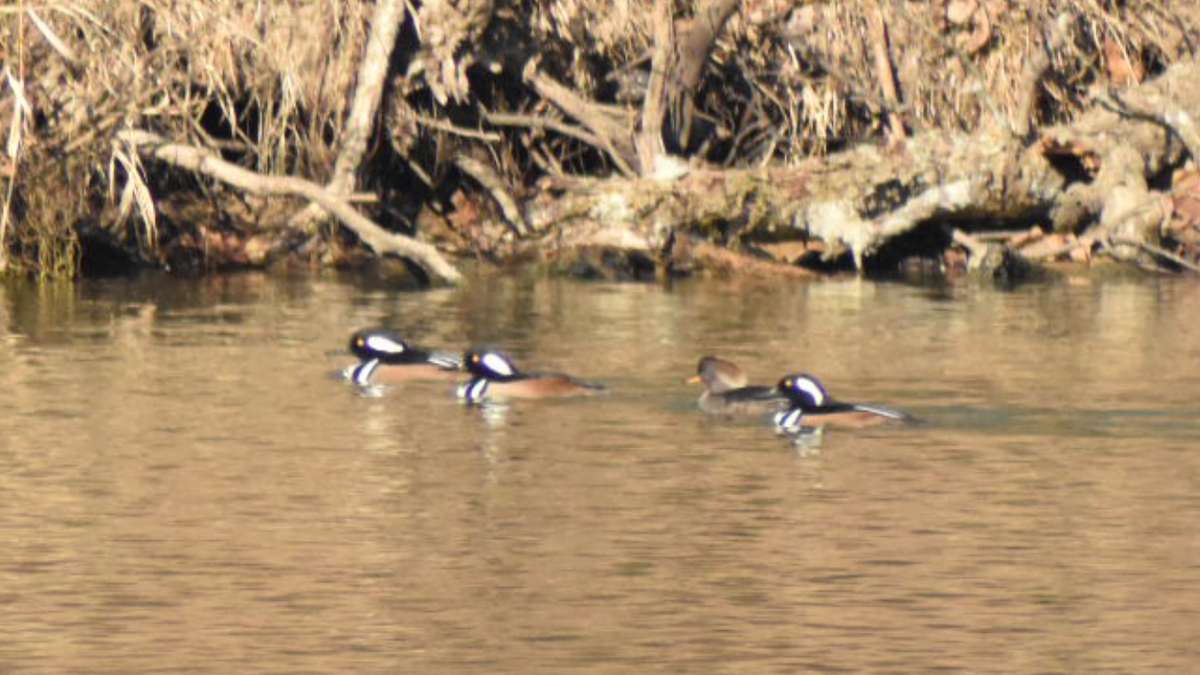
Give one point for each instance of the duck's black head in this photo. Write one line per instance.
(490, 364)
(804, 391)
(387, 346)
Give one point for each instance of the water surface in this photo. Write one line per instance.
(185, 487)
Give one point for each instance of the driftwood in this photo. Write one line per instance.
(1091, 174)
(380, 240)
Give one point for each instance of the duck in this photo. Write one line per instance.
(727, 391)
(385, 356)
(495, 376)
(812, 406)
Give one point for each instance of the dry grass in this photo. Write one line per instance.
(264, 82)
(267, 85)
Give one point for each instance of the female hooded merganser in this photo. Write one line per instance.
(812, 406)
(726, 391)
(493, 375)
(386, 357)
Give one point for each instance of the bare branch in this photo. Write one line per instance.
(648, 139)
(884, 72)
(491, 182)
(380, 240)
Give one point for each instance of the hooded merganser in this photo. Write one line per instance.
(726, 390)
(812, 406)
(493, 375)
(386, 357)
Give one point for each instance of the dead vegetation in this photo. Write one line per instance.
(205, 135)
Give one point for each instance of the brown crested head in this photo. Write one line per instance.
(719, 375)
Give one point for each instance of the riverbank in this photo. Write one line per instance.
(725, 139)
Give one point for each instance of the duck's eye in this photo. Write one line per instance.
(358, 342)
(474, 358)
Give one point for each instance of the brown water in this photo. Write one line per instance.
(185, 487)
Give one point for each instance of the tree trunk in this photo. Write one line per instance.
(360, 124)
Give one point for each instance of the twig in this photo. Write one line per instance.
(1158, 251)
(442, 125)
(55, 42)
(532, 121)
(974, 246)
(491, 182)
(21, 111)
(380, 240)
(1056, 252)
(999, 236)
(613, 127)
(596, 141)
(547, 163)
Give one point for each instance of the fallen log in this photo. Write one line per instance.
(1092, 175)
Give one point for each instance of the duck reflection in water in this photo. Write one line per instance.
(793, 425)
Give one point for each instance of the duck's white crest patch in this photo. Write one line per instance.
(495, 413)
(807, 442)
(812, 388)
(497, 364)
(362, 374)
(384, 345)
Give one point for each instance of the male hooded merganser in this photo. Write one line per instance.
(726, 391)
(493, 375)
(386, 357)
(812, 406)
